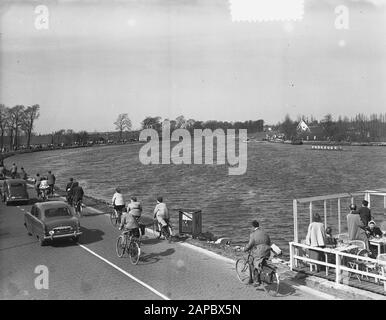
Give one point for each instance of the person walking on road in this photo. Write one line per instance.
(51, 183)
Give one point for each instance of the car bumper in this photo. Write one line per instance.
(66, 235)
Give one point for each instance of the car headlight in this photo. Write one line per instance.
(51, 232)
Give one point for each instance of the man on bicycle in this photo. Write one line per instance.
(161, 212)
(118, 202)
(129, 223)
(135, 208)
(69, 190)
(260, 243)
(77, 193)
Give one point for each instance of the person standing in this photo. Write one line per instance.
(316, 237)
(51, 182)
(13, 171)
(355, 226)
(365, 213)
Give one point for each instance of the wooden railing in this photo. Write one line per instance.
(380, 265)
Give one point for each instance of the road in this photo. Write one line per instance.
(92, 270)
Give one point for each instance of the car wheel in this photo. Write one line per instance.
(29, 233)
(42, 242)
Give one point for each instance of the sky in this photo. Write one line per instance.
(195, 58)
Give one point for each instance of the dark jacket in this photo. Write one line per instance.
(260, 243)
(365, 215)
(70, 187)
(375, 232)
(51, 179)
(77, 193)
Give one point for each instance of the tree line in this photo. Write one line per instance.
(191, 124)
(360, 128)
(14, 121)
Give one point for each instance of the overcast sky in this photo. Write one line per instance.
(173, 57)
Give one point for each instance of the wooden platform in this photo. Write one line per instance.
(352, 281)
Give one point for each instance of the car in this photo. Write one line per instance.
(14, 190)
(52, 220)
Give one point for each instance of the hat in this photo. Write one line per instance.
(353, 207)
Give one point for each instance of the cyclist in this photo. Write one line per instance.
(161, 213)
(69, 189)
(118, 202)
(135, 208)
(77, 193)
(260, 243)
(129, 223)
(37, 184)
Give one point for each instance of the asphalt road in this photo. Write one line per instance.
(92, 270)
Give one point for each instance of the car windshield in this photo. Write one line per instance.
(17, 187)
(57, 212)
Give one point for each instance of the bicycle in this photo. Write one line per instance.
(158, 231)
(115, 218)
(127, 241)
(268, 275)
(78, 207)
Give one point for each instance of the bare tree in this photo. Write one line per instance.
(16, 118)
(3, 123)
(31, 113)
(122, 123)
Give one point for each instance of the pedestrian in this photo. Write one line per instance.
(365, 213)
(355, 226)
(24, 175)
(13, 171)
(316, 237)
(51, 182)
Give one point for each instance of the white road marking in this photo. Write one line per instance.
(126, 273)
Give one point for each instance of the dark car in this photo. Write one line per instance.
(52, 220)
(14, 190)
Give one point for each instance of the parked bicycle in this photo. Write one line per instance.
(269, 276)
(130, 243)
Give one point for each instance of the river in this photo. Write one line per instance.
(276, 174)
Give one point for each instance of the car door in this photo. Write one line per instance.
(27, 219)
(37, 224)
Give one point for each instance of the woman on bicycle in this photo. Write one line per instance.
(260, 243)
(118, 202)
(129, 223)
(135, 208)
(161, 213)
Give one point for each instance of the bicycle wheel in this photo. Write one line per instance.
(242, 270)
(134, 251)
(156, 231)
(121, 246)
(272, 287)
(114, 219)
